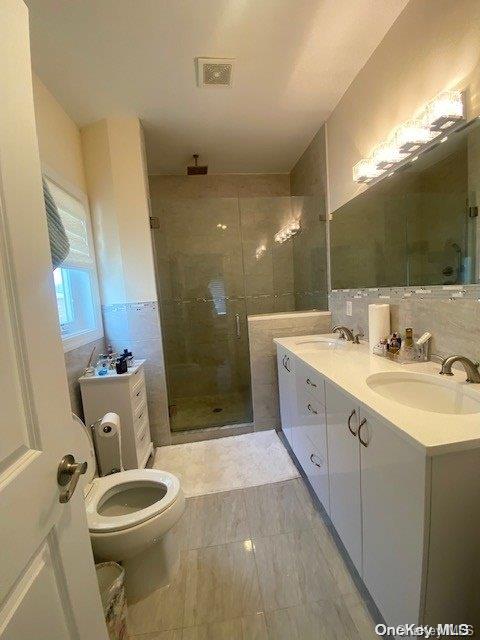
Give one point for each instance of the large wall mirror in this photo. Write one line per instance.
(417, 227)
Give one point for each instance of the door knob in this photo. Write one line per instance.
(68, 473)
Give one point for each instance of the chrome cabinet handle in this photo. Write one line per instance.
(283, 361)
(69, 473)
(362, 423)
(287, 359)
(237, 324)
(312, 384)
(349, 423)
(311, 409)
(312, 459)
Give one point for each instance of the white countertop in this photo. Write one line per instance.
(349, 366)
(112, 374)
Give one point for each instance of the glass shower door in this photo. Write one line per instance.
(202, 303)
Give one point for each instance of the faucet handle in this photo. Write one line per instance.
(357, 336)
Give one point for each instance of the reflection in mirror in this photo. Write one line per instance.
(417, 227)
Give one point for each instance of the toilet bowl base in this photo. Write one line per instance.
(152, 569)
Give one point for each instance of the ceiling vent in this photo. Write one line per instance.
(214, 72)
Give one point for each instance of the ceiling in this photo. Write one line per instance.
(294, 61)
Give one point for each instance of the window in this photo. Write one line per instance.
(76, 284)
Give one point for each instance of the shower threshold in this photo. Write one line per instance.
(211, 433)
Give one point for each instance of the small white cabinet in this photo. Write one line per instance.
(344, 468)
(126, 395)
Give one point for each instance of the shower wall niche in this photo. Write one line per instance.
(217, 262)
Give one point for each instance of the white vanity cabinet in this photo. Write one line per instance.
(344, 470)
(407, 513)
(393, 491)
(287, 392)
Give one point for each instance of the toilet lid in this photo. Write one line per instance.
(84, 450)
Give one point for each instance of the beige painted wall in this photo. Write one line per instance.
(58, 138)
(432, 46)
(114, 164)
(61, 156)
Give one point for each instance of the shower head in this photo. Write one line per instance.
(196, 170)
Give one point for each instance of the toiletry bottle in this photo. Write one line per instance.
(102, 365)
(394, 343)
(407, 351)
(408, 338)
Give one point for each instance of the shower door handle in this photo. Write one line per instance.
(237, 324)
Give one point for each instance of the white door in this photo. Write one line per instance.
(48, 588)
(393, 475)
(344, 471)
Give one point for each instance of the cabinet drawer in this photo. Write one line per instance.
(310, 381)
(137, 382)
(143, 442)
(311, 419)
(140, 416)
(315, 464)
(141, 434)
(139, 398)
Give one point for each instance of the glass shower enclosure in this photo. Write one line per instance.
(216, 262)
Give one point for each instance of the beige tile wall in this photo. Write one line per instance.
(75, 364)
(263, 357)
(308, 189)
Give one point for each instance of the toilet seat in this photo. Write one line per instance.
(104, 488)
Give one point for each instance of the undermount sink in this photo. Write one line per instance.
(319, 343)
(426, 392)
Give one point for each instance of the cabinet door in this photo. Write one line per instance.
(310, 443)
(393, 480)
(344, 468)
(286, 391)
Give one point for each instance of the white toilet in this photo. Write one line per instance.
(130, 516)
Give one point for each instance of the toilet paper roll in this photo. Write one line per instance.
(108, 447)
(110, 425)
(378, 323)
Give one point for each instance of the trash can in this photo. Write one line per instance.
(111, 580)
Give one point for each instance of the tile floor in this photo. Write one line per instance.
(257, 564)
(228, 463)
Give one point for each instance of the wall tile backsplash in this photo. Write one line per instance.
(451, 314)
(136, 326)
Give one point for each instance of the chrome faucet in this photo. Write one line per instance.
(471, 368)
(345, 333)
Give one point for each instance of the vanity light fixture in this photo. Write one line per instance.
(412, 135)
(221, 226)
(445, 110)
(365, 171)
(439, 115)
(288, 231)
(387, 155)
